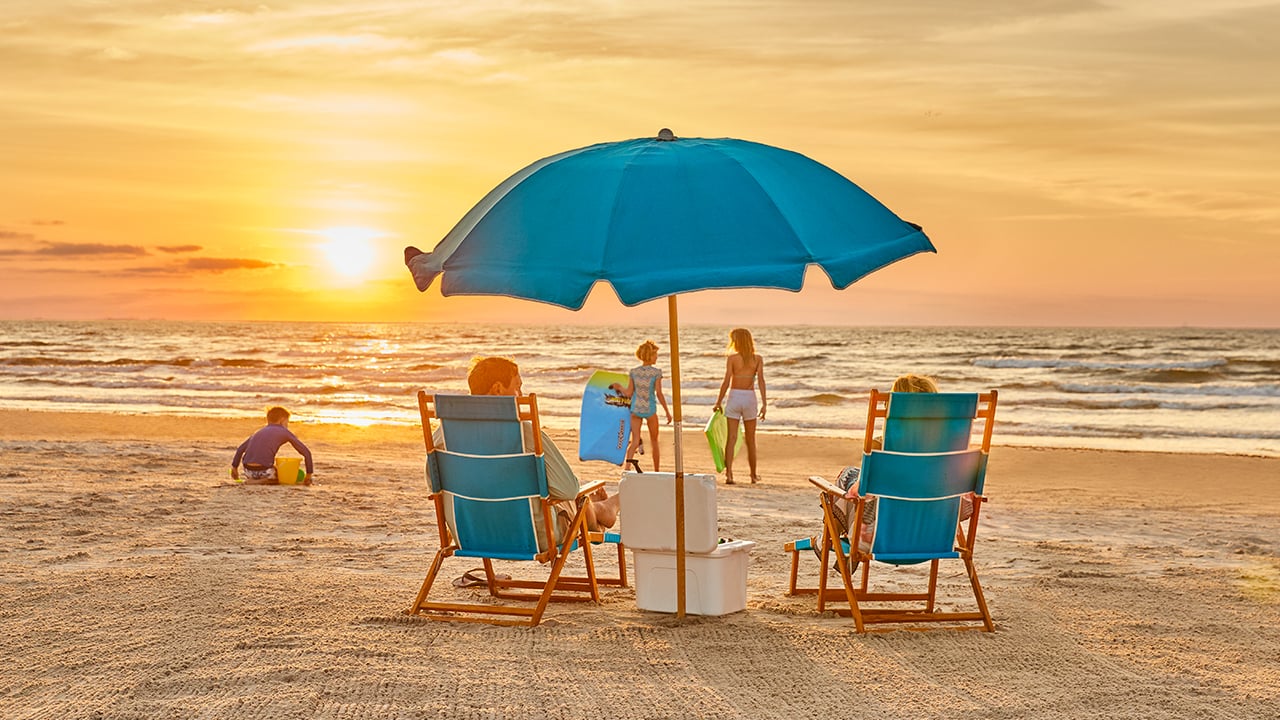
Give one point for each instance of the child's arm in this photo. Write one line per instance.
(662, 399)
(235, 461)
(631, 388)
(303, 451)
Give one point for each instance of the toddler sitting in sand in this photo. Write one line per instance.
(259, 451)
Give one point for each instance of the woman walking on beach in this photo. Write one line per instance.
(742, 370)
(643, 385)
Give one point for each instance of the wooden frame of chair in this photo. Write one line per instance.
(833, 544)
(555, 588)
(598, 537)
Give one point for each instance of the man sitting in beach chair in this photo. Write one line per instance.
(923, 484)
(494, 499)
(501, 376)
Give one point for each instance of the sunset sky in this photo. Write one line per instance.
(1075, 162)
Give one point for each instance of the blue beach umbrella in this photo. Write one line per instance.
(655, 217)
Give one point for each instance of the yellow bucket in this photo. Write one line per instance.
(288, 471)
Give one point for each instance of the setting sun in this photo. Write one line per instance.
(348, 249)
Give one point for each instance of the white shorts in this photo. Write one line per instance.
(265, 476)
(741, 405)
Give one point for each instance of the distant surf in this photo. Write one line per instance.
(1184, 390)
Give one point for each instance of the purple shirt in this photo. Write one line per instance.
(261, 447)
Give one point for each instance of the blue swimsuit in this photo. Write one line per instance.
(643, 381)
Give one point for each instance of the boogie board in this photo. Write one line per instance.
(604, 427)
(717, 432)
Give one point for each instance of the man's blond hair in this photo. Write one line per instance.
(485, 372)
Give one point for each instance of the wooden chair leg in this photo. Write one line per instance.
(933, 586)
(822, 572)
(622, 565)
(795, 570)
(855, 610)
(427, 582)
(545, 598)
(585, 542)
(977, 593)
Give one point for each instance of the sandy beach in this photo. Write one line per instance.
(138, 581)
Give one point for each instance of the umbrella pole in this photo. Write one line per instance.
(677, 420)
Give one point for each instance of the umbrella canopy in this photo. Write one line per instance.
(655, 217)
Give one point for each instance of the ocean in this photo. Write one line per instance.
(1175, 389)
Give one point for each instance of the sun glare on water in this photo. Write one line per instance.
(349, 249)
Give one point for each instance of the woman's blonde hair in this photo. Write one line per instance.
(740, 342)
(647, 352)
(915, 383)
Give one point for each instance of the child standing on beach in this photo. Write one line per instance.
(259, 451)
(643, 384)
(743, 368)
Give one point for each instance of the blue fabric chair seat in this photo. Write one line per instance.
(918, 482)
(492, 503)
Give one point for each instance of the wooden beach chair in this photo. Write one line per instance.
(921, 480)
(492, 503)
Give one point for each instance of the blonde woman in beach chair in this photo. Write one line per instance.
(927, 488)
(848, 480)
(492, 503)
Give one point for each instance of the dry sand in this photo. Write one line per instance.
(137, 581)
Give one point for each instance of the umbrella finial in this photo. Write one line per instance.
(665, 135)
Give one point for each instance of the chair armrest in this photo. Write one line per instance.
(589, 488)
(826, 487)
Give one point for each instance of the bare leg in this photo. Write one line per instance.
(604, 511)
(653, 440)
(750, 425)
(729, 446)
(635, 438)
(589, 516)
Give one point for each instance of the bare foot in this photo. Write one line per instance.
(755, 479)
(728, 478)
(410, 253)
(606, 510)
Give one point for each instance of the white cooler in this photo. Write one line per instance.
(715, 583)
(715, 572)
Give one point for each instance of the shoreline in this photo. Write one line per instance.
(27, 424)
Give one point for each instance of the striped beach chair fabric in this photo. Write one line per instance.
(927, 485)
(491, 501)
